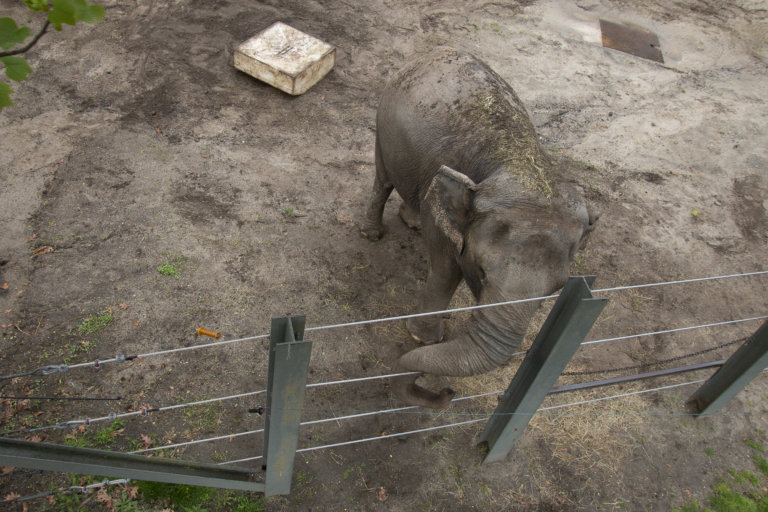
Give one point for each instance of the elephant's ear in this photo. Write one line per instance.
(449, 199)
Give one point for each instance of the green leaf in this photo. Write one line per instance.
(16, 68)
(11, 34)
(5, 95)
(37, 5)
(72, 11)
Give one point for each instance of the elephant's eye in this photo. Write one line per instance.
(483, 277)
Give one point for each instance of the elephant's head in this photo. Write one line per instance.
(510, 244)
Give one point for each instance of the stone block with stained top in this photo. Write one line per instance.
(285, 58)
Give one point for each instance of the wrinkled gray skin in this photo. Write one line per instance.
(456, 143)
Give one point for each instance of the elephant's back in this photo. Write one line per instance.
(449, 108)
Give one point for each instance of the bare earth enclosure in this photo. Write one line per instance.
(146, 180)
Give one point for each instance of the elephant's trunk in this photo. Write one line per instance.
(492, 335)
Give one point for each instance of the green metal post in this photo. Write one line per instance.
(738, 371)
(287, 380)
(571, 318)
(54, 457)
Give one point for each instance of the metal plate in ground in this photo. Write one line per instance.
(631, 39)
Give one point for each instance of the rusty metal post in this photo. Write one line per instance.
(287, 380)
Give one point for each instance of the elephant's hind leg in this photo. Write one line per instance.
(373, 226)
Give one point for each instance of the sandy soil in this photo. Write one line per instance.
(136, 143)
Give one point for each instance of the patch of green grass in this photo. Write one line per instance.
(204, 416)
(743, 476)
(709, 452)
(753, 479)
(104, 437)
(579, 263)
(79, 441)
(749, 495)
(725, 499)
(75, 348)
(95, 323)
(157, 496)
(126, 504)
(736, 476)
(181, 497)
(235, 503)
(67, 502)
(172, 267)
(754, 445)
(761, 463)
(303, 486)
(288, 212)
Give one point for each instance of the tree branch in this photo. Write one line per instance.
(31, 43)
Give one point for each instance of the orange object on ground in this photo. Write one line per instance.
(205, 332)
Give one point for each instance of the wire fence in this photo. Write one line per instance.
(476, 417)
(145, 411)
(120, 358)
(482, 417)
(412, 409)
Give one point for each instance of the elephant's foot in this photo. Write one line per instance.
(409, 216)
(426, 329)
(372, 230)
(411, 393)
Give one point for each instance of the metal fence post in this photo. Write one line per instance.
(571, 318)
(738, 371)
(288, 368)
(53, 457)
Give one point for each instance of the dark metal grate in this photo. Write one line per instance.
(631, 39)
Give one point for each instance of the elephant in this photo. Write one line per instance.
(455, 141)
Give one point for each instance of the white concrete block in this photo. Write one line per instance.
(285, 58)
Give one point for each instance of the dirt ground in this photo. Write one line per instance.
(136, 144)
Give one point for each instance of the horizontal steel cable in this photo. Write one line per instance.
(622, 395)
(681, 281)
(81, 489)
(120, 358)
(361, 379)
(169, 351)
(679, 329)
(198, 441)
(144, 411)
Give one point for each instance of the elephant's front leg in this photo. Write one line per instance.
(443, 278)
